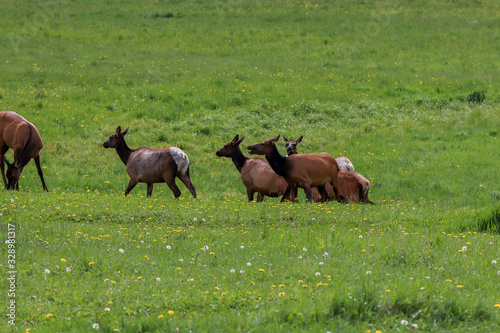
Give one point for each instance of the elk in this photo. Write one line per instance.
(353, 187)
(300, 170)
(23, 137)
(256, 173)
(343, 162)
(146, 165)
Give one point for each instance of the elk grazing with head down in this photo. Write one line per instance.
(353, 187)
(23, 137)
(300, 170)
(146, 165)
(256, 173)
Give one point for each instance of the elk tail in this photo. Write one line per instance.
(182, 161)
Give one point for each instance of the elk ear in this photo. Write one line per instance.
(285, 138)
(118, 130)
(299, 139)
(275, 139)
(6, 161)
(125, 132)
(239, 141)
(236, 138)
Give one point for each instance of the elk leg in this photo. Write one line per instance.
(3, 150)
(322, 194)
(131, 185)
(2, 166)
(40, 173)
(250, 194)
(287, 193)
(149, 190)
(307, 190)
(186, 179)
(260, 197)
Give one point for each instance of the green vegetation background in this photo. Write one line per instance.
(408, 91)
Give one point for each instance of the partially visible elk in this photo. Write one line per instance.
(300, 170)
(256, 173)
(343, 162)
(23, 137)
(353, 187)
(146, 165)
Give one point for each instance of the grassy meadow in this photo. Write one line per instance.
(408, 91)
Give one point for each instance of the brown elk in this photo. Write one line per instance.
(300, 170)
(146, 165)
(256, 173)
(23, 137)
(353, 187)
(343, 162)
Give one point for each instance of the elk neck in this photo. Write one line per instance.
(277, 162)
(239, 159)
(123, 151)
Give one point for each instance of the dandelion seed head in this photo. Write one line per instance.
(95, 326)
(47, 271)
(168, 247)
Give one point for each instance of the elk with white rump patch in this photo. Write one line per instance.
(146, 165)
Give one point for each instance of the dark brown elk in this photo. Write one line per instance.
(353, 187)
(146, 165)
(23, 137)
(342, 162)
(256, 173)
(300, 170)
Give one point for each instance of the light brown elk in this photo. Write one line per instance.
(146, 165)
(23, 137)
(353, 187)
(256, 173)
(342, 162)
(300, 170)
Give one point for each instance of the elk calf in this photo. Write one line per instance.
(23, 137)
(151, 166)
(256, 173)
(300, 170)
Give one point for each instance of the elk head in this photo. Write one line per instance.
(13, 173)
(230, 148)
(115, 139)
(263, 148)
(291, 145)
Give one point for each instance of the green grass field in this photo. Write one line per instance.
(408, 91)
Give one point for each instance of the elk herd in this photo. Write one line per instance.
(321, 176)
